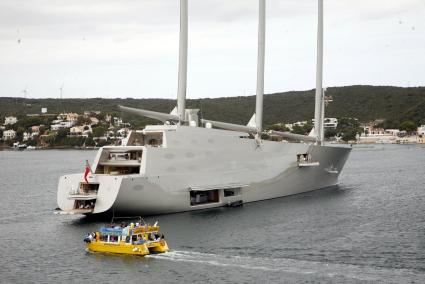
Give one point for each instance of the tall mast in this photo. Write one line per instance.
(318, 123)
(260, 67)
(181, 92)
(322, 118)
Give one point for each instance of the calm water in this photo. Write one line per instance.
(369, 229)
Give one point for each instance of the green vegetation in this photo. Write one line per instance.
(400, 108)
(365, 103)
(408, 126)
(348, 128)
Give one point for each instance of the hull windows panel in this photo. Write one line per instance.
(203, 197)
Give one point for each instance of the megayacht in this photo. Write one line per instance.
(190, 163)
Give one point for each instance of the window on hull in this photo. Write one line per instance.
(231, 191)
(203, 197)
(84, 204)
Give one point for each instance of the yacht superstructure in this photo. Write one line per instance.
(187, 164)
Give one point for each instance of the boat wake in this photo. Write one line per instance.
(294, 266)
(214, 259)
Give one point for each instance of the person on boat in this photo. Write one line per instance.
(140, 240)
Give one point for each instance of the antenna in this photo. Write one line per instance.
(182, 83)
(318, 123)
(260, 68)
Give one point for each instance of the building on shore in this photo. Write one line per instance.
(80, 131)
(10, 120)
(9, 134)
(61, 125)
(420, 134)
(329, 122)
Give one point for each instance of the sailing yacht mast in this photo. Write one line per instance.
(318, 123)
(260, 68)
(182, 83)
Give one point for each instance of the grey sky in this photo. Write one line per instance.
(129, 48)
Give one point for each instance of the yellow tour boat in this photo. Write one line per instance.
(135, 239)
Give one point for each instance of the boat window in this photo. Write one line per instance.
(134, 238)
(113, 239)
(135, 139)
(127, 239)
(153, 139)
(302, 158)
(203, 197)
(103, 238)
(118, 162)
(88, 188)
(231, 191)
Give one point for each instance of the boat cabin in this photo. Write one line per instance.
(128, 235)
(120, 161)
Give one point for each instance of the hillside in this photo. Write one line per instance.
(362, 102)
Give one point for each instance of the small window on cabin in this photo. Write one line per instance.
(127, 239)
(113, 239)
(104, 238)
(134, 238)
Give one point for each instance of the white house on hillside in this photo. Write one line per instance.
(62, 124)
(10, 120)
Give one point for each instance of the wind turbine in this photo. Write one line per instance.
(25, 91)
(61, 90)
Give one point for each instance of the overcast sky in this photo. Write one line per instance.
(129, 48)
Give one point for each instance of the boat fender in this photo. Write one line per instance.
(136, 249)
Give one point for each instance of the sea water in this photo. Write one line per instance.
(370, 228)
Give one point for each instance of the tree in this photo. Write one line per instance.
(390, 124)
(81, 120)
(89, 141)
(19, 134)
(408, 126)
(298, 129)
(42, 130)
(330, 132)
(98, 131)
(32, 142)
(348, 128)
(303, 130)
(277, 127)
(62, 133)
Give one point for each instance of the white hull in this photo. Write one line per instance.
(199, 159)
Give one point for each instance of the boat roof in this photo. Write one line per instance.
(118, 231)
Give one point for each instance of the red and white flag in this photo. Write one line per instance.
(87, 171)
